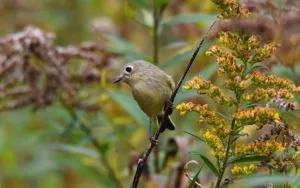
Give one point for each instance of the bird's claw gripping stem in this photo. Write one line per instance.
(153, 140)
(169, 107)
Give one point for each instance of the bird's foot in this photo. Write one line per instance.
(153, 140)
(169, 107)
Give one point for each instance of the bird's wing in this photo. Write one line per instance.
(169, 81)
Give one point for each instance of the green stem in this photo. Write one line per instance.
(226, 155)
(156, 20)
(84, 128)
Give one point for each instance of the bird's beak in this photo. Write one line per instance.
(118, 79)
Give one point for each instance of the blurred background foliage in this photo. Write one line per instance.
(53, 145)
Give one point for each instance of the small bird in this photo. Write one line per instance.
(151, 88)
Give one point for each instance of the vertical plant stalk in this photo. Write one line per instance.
(156, 20)
(157, 15)
(168, 111)
(224, 165)
(84, 128)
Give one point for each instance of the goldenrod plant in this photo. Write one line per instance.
(250, 96)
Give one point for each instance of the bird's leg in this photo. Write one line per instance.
(151, 138)
(150, 128)
(169, 106)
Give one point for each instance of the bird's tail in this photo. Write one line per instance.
(168, 124)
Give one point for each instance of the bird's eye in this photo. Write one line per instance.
(128, 69)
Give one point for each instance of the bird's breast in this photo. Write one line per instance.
(151, 99)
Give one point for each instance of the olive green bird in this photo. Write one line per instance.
(151, 88)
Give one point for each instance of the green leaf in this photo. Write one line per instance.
(88, 171)
(262, 180)
(129, 104)
(175, 45)
(104, 147)
(183, 95)
(249, 159)
(124, 47)
(141, 3)
(235, 137)
(208, 71)
(210, 165)
(188, 18)
(177, 58)
(195, 177)
(283, 71)
(160, 3)
(202, 139)
(249, 106)
(296, 69)
(257, 66)
(76, 150)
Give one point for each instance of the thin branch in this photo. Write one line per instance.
(168, 111)
(190, 63)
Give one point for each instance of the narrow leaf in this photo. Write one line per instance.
(210, 165)
(202, 139)
(250, 106)
(195, 177)
(249, 159)
(141, 3)
(124, 47)
(189, 18)
(208, 71)
(262, 180)
(86, 171)
(257, 66)
(235, 137)
(130, 105)
(283, 71)
(76, 150)
(177, 59)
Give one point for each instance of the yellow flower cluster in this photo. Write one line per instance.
(274, 81)
(189, 107)
(213, 141)
(258, 116)
(238, 171)
(285, 94)
(230, 9)
(258, 148)
(234, 42)
(266, 94)
(206, 87)
(262, 53)
(259, 94)
(226, 61)
(249, 51)
(206, 116)
(253, 42)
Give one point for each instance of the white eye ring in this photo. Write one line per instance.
(129, 68)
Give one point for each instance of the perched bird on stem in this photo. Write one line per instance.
(151, 88)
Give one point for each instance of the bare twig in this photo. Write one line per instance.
(168, 111)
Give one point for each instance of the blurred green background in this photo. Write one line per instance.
(45, 147)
